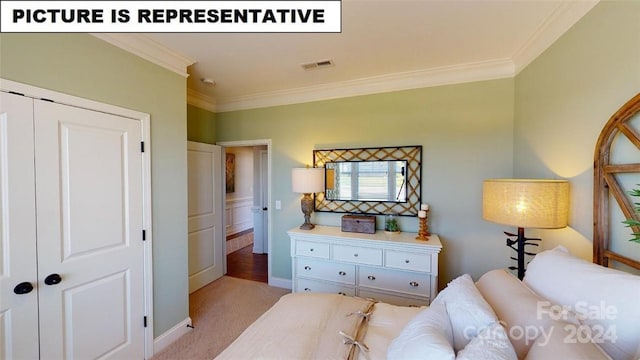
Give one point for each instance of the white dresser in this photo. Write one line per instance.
(396, 269)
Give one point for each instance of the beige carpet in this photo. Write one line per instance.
(220, 312)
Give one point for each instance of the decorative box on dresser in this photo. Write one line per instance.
(393, 268)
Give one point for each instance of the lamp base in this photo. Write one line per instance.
(520, 242)
(307, 226)
(306, 204)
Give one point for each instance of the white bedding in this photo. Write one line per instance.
(307, 325)
(294, 328)
(385, 324)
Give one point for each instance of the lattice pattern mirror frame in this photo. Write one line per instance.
(411, 154)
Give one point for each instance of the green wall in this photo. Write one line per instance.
(563, 100)
(201, 125)
(84, 66)
(467, 136)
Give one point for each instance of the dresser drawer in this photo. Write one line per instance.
(395, 280)
(308, 285)
(312, 249)
(391, 298)
(407, 260)
(358, 255)
(325, 270)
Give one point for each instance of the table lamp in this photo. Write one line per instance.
(525, 203)
(307, 181)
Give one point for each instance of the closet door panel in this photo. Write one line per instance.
(18, 312)
(89, 207)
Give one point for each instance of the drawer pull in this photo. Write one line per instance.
(342, 273)
(355, 255)
(311, 249)
(406, 261)
(307, 267)
(341, 293)
(414, 284)
(371, 277)
(307, 289)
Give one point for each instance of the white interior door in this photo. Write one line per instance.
(88, 168)
(206, 242)
(18, 311)
(261, 222)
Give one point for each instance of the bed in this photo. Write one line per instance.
(565, 307)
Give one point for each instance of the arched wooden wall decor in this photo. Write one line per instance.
(606, 183)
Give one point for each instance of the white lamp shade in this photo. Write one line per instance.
(526, 203)
(307, 180)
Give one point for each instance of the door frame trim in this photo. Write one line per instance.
(145, 123)
(258, 142)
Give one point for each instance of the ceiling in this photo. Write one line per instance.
(383, 46)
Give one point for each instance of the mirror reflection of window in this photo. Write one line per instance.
(366, 181)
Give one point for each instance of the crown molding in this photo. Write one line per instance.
(562, 19)
(148, 49)
(445, 75)
(201, 100)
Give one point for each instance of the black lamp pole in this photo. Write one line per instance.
(518, 244)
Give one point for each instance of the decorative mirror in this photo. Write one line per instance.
(370, 180)
(382, 180)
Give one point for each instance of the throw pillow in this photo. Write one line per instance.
(492, 343)
(468, 311)
(426, 336)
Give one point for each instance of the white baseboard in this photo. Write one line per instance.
(280, 282)
(171, 335)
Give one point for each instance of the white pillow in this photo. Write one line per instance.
(468, 311)
(606, 298)
(517, 308)
(564, 340)
(426, 336)
(492, 343)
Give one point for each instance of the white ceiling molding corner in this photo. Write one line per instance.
(564, 17)
(150, 50)
(446, 75)
(200, 100)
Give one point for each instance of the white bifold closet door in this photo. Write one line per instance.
(77, 175)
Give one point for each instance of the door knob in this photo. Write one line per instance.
(52, 279)
(23, 288)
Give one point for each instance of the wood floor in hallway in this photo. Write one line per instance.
(244, 264)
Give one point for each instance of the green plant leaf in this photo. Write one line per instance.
(633, 222)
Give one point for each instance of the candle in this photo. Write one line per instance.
(424, 207)
(422, 214)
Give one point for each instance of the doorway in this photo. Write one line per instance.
(247, 214)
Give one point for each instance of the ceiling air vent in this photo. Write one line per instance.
(318, 64)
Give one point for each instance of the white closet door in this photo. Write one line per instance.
(18, 312)
(206, 249)
(89, 208)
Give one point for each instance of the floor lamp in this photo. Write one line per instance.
(307, 181)
(525, 203)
